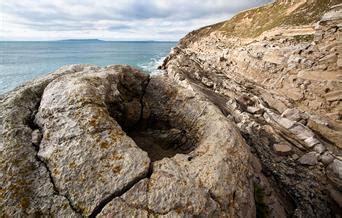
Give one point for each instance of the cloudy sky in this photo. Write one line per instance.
(112, 19)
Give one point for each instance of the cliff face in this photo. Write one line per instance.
(300, 63)
(280, 80)
(245, 121)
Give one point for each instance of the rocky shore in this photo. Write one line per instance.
(235, 126)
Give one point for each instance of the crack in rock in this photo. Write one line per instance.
(55, 189)
(142, 99)
(119, 193)
(70, 137)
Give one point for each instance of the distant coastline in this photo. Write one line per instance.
(79, 40)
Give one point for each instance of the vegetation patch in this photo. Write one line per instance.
(262, 210)
(303, 38)
(254, 22)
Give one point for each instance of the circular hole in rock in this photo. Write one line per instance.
(158, 138)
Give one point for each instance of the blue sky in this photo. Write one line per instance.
(112, 19)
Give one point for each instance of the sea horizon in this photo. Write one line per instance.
(22, 61)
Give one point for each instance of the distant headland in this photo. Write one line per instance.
(80, 40)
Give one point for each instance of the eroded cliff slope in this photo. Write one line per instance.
(278, 77)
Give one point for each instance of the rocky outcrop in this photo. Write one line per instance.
(81, 141)
(74, 144)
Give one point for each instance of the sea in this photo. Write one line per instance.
(24, 61)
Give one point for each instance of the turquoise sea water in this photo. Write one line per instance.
(23, 61)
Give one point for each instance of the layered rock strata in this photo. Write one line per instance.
(282, 89)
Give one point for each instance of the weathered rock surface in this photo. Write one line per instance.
(309, 159)
(82, 141)
(201, 182)
(26, 187)
(78, 146)
(282, 149)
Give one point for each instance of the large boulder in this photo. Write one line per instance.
(26, 188)
(89, 155)
(89, 141)
(212, 179)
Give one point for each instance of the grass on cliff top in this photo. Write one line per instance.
(254, 22)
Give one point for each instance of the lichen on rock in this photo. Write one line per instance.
(83, 132)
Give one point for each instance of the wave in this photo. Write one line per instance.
(152, 65)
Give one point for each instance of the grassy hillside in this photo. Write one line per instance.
(254, 22)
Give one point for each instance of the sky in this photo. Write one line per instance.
(162, 20)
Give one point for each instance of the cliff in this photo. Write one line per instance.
(244, 121)
(278, 78)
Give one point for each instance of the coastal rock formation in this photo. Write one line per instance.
(81, 141)
(282, 87)
(243, 121)
(73, 145)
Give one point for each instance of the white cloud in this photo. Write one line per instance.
(112, 20)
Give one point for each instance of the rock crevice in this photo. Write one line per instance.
(55, 189)
(118, 193)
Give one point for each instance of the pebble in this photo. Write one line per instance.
(282, 149)
(319, 148)
(326, 158)
(295, 156)
(309, 159)
(336, 166)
